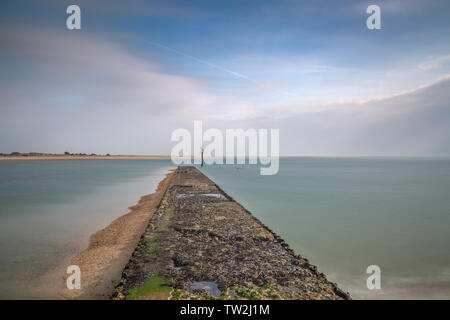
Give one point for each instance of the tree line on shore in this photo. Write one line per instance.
(40, 154)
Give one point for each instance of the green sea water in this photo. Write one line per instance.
(48, 210)
(346, 214)
(342, 214)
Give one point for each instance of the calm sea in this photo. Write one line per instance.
(342, 214)
(347, 214)
(48, 210)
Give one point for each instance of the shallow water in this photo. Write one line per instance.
(346, 214)
(48, 210)
(341, 214)
(208, 286)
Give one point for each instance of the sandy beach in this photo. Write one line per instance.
(76, 157)
(110, 249)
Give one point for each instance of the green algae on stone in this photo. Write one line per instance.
(202, 238)
(153, 288)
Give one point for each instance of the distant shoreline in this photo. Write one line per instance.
(52, 157)
(76, 157)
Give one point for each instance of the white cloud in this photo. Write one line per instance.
(434, 63)
(414, 122)
(76, 91)
(72, 91)
(101, 72)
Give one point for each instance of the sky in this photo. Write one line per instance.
(138, 70)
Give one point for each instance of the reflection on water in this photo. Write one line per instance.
(208, 286)
(346, 214)
(48, 210)
(341, 214)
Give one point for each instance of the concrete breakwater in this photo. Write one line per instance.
(201, 244)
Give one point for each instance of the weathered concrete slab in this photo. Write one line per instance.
(202, 244)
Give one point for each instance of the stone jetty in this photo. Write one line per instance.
(201, 244)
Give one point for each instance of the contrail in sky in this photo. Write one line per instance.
(215, 66)
(203, 62)
(239, 75)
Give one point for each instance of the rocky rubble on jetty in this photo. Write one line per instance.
(202, 244)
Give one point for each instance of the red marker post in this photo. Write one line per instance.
(202, 156)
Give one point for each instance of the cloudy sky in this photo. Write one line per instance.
(137, 70)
